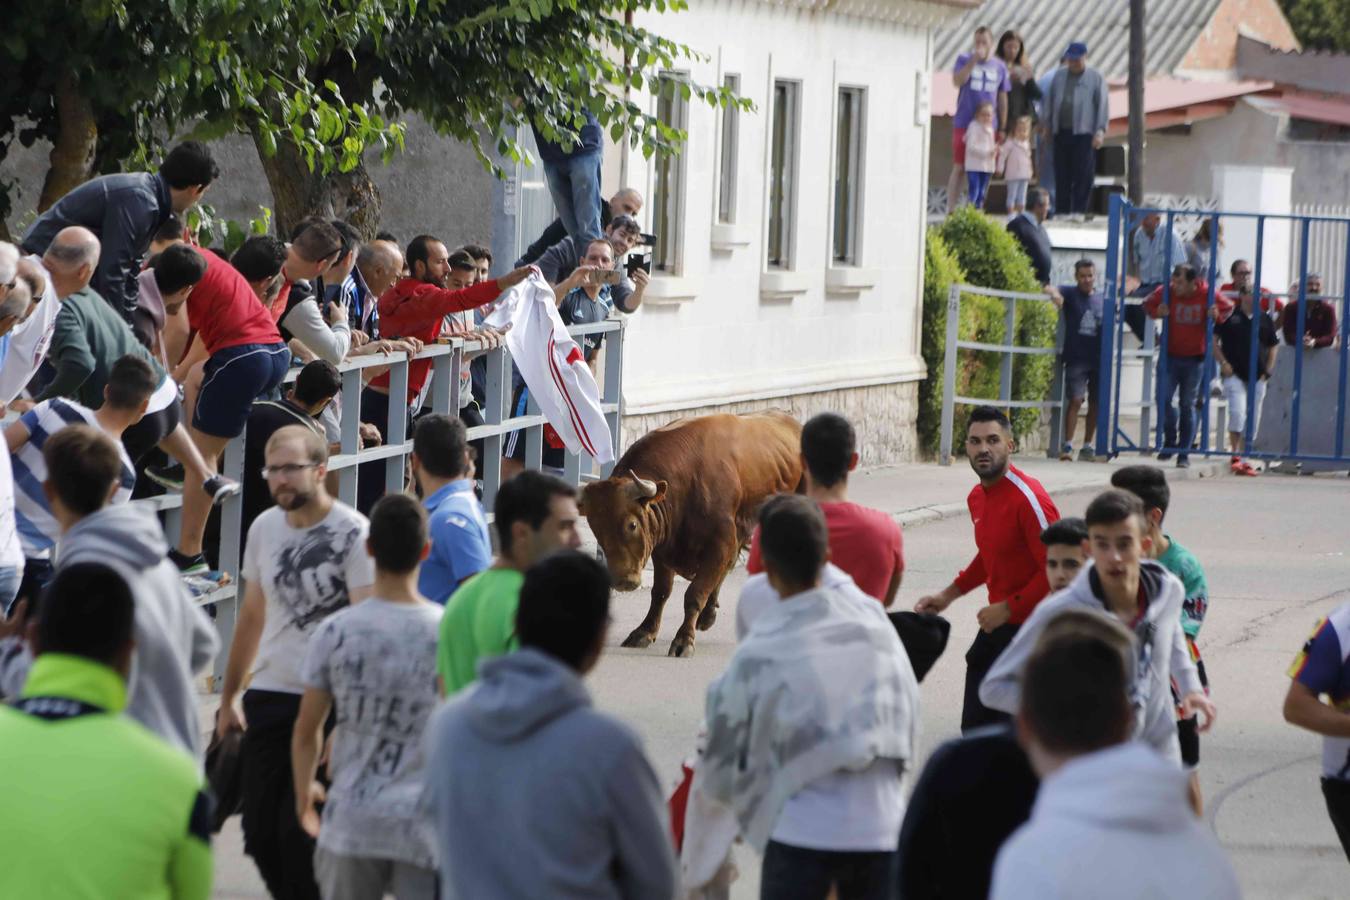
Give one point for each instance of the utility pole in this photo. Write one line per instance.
(1135, 171)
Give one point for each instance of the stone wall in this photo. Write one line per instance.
(883, 416)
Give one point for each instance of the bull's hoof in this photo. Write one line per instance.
(639, 638)
(707, 617)
(682, 646)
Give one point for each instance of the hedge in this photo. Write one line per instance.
(972, 248)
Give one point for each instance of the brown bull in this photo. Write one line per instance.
(685, 496)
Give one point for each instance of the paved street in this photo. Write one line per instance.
(1275, 552)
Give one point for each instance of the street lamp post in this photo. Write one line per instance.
(1135, 171)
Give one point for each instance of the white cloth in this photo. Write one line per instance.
(378, 661)
(306, 574)
(1123, 812)
(29, 341)
(553, 367)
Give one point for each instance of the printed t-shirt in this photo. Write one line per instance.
(378, 660)
(307, 574)
(1185, 319)
(865, 543)
(986, 80)
(1323, 667)
(1082, 326)
(225, 312)
(1195, 603)
(479, 621)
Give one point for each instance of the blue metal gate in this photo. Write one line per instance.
(1305, 411)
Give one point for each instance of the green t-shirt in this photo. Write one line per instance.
(479, 621)
(1183, 564)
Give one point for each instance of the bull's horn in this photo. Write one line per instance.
(647, 488)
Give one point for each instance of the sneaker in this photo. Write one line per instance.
(1066, 452)
(1164, 456)
(168, 477)
(1248, 469)
(1087, 454)
(189, 565)
(220, 488)
(1183, 461)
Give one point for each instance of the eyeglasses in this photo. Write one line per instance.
(286, 470)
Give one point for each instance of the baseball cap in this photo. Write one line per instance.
(1076, 50)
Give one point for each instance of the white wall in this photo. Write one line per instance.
(710, 333)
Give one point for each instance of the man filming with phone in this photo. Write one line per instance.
(624, 234)
(586, 295)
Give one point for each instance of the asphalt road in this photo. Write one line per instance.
(1275, 551)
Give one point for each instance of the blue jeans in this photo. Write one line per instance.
(574, 184)
(10, 576)
(1183, 374)
(976, 185)
(796, 873)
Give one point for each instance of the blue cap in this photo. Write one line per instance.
(1076, 50)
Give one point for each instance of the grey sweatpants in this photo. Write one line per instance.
(367, 878)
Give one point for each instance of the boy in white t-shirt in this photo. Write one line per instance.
(375, 665)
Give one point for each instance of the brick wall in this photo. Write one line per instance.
(1216, 47)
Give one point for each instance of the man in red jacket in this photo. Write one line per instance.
(416, 307)
(1010, 510)
(1186, 317)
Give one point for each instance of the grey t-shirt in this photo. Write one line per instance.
(378, 660)
(1066, 101)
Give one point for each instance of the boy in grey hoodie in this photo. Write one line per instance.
(533, 792)
(1146, 598)
(174, 638)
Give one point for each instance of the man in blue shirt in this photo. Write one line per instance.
(1150, 266)
(443, 467)
(1080, 306)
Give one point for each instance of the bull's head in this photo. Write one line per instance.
(619, 510)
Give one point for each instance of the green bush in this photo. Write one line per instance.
(979, 250)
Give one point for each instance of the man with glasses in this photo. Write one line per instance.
(306, 559)
(1226, 299)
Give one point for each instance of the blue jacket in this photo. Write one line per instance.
(124, 210)
(1090, 108)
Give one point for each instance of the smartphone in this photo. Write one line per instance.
(608, 276)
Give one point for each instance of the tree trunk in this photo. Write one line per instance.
(72, 156)
(297, 192)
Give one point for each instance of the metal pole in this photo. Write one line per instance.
(1300, 321)
(1108, 400)
(1005, 373)
(1135, 160)
(1344, 351)
(949, 375)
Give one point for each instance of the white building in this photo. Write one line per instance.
(789, 254)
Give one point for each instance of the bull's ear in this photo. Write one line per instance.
(656, 497)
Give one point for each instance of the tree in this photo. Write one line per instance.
(1320, 24)
(319, 82)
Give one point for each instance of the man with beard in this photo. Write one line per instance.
(306, 559)
(1010, 510)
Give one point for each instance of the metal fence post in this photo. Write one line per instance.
(613, 391)
(949, 374)
(495, 396)
(1300, 322)
(1345, 349)
(1106, 408)
(1057, 436)
(397, 434)
(1256, 331)
(352, 385)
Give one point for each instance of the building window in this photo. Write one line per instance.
(783, 173)
(848, 173)
(726, 183)
(672, 109)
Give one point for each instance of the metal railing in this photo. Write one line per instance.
(444, 397)
(1009, 350)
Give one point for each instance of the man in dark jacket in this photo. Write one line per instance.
(627, 202)
(125, 210)
(1030, 233)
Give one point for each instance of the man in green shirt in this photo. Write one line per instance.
(95, 805)
(535, 514)
(1149, 484)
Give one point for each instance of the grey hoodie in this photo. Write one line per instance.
(174, 638)
(535, 794)
(1162, 654)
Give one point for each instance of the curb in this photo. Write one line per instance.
(925, 515)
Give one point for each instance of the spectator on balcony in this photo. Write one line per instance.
(1014, 163)
(572, 170)
(981, 154)
(563, 258)
(1076, 117)
(627, 202)
(1319, 322)
(125, 210)
(379, 265)
(1045, 149)
(1030, 233)
(339, 284)
(311, 326)
(1180, 365)
(1198, 248)
(482, 257)
(1023, 91)
(979, 77)
(1154, 252)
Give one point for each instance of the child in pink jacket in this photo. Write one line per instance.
(1014, 164)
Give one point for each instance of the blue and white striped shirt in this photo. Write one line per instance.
(1151, 254)
(38, 530)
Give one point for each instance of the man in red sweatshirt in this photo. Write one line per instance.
(416, 307)
(1010, 510)
(1186, 317)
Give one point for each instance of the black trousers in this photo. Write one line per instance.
(370, 475)
(1075, 170)
(282, 851)
(154, 427)
(979, 660)
(1337, 794)
(796, 873)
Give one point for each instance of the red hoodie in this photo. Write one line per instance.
(1009, 518)
(415, 308)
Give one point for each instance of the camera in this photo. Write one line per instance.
(640, 257)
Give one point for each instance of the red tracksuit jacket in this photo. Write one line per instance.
(1009, 518)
